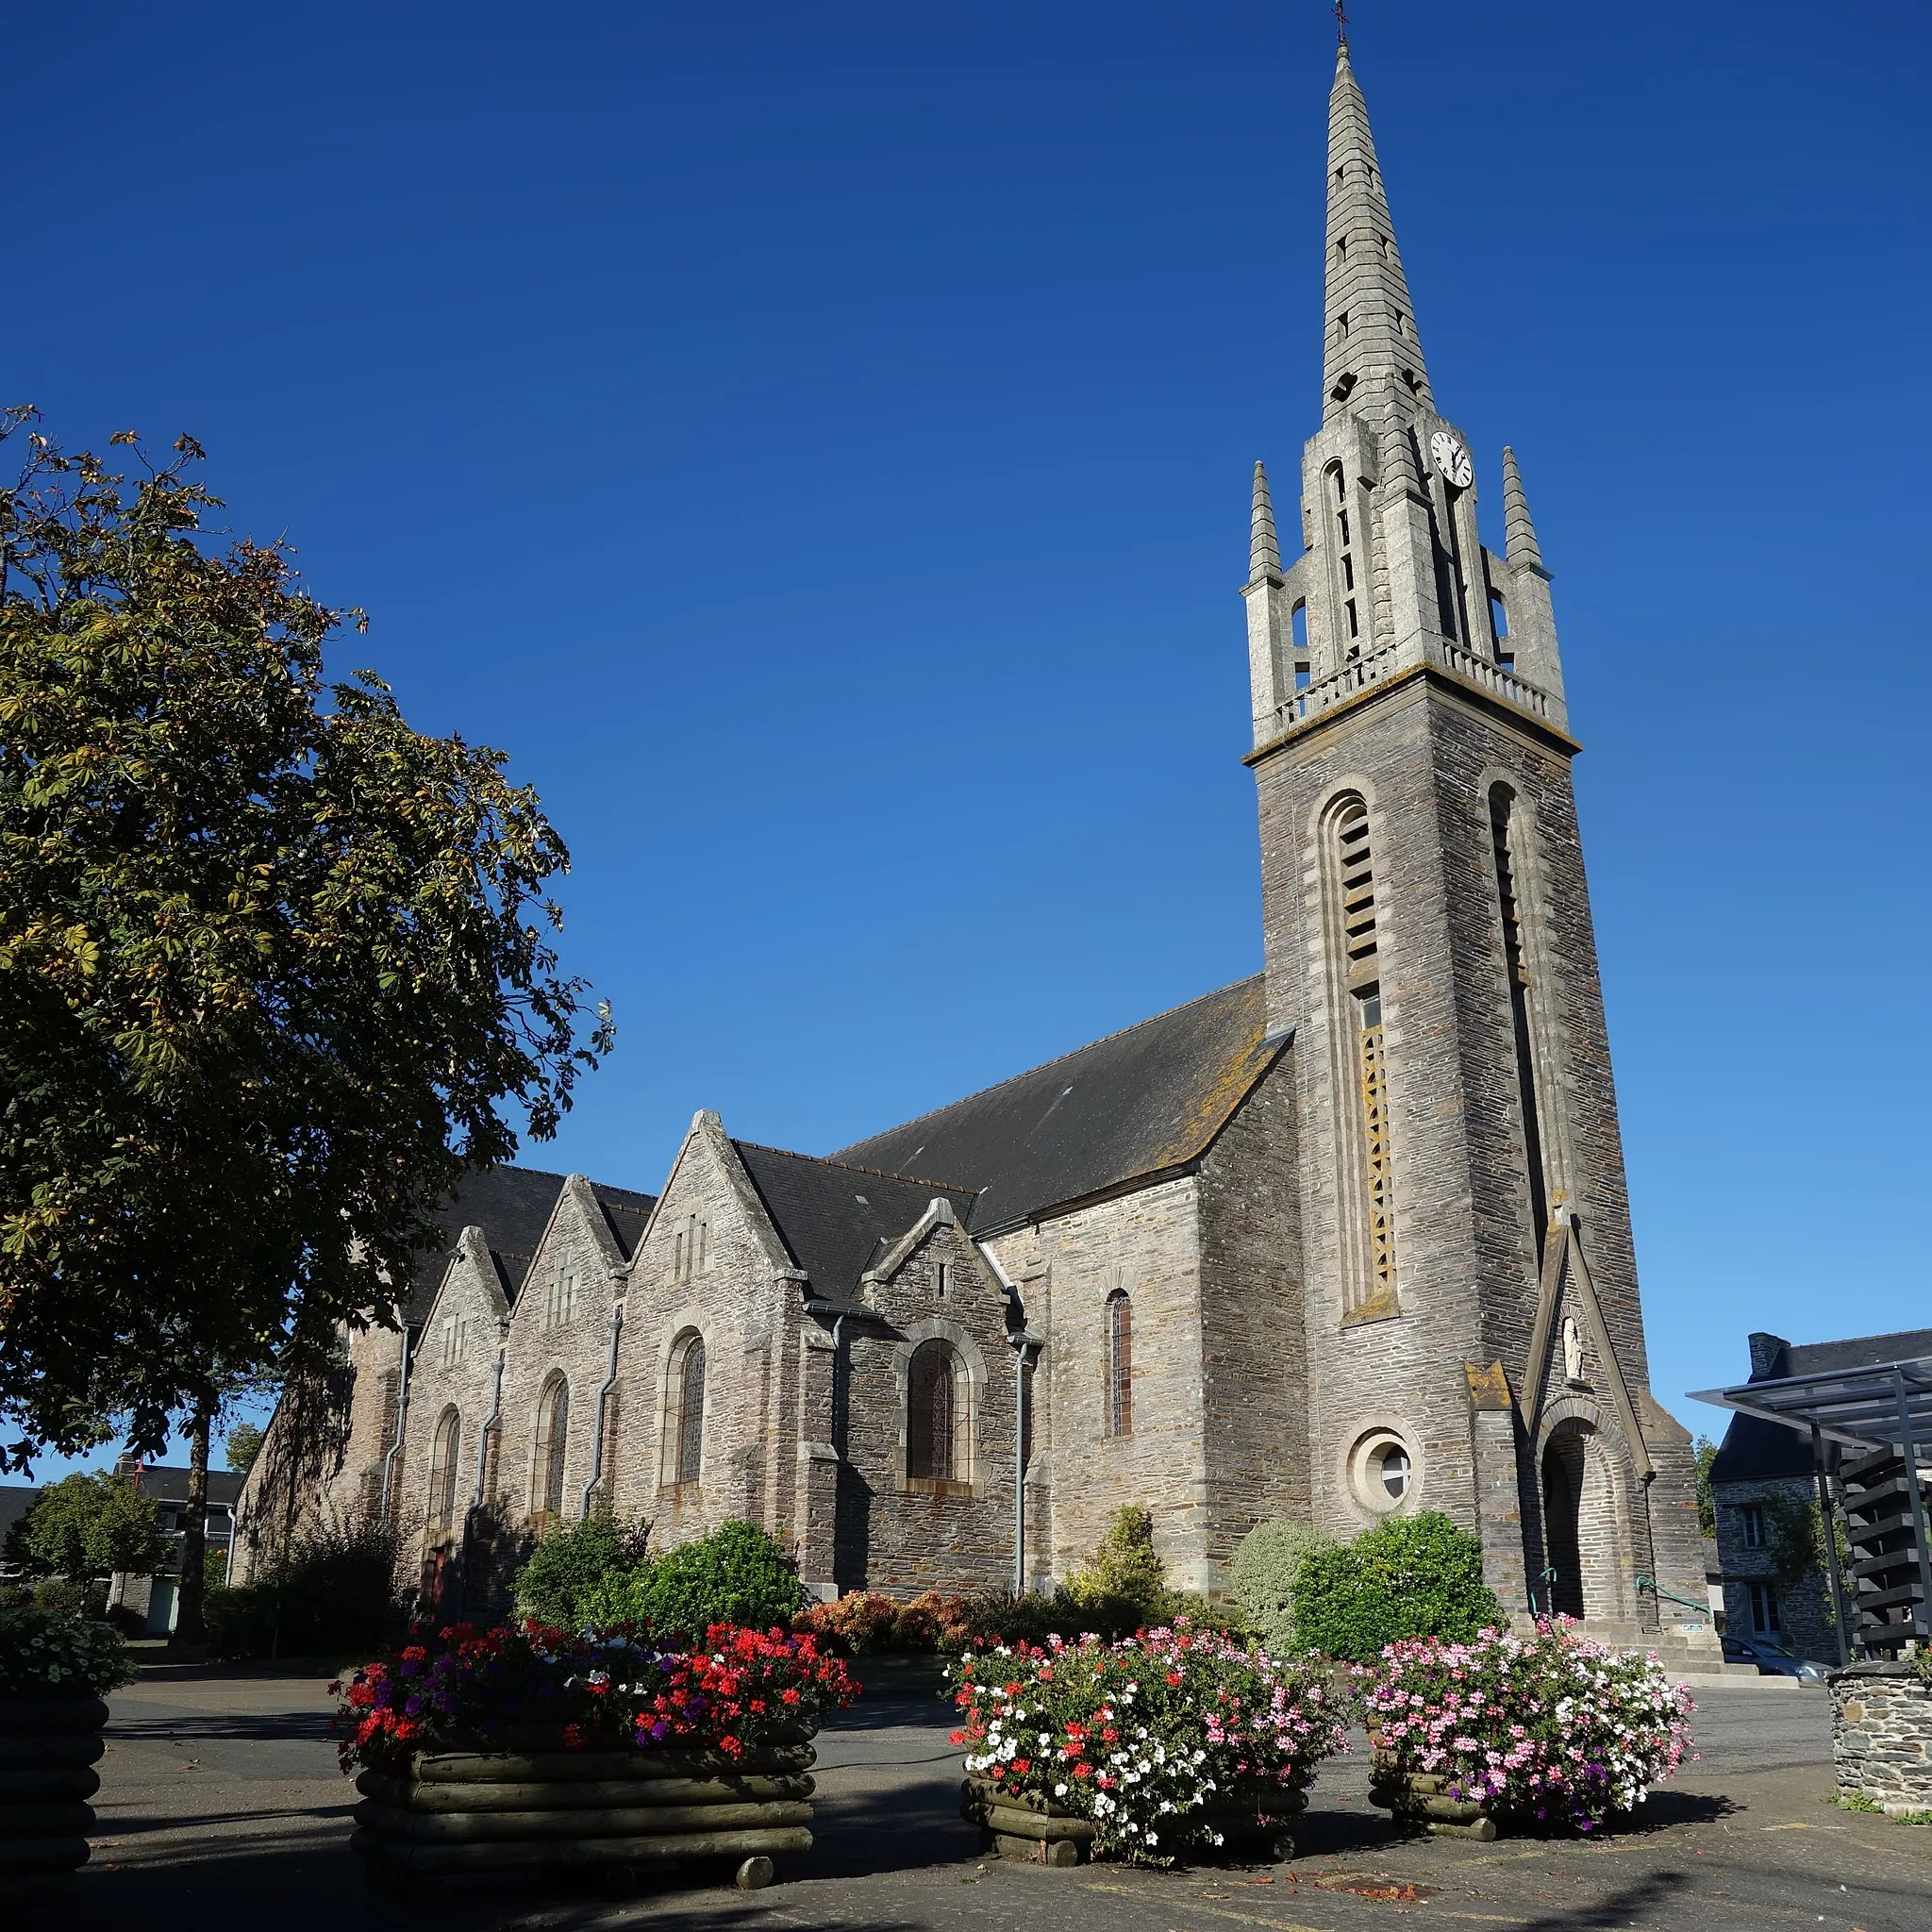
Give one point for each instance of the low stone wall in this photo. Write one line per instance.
(1881, 1735)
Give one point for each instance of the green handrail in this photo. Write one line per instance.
(1650, 1583)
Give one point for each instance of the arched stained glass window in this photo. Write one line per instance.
(442, 1468)
(1120, 1364)
(690, 1411)
(553, 1432)
(931, 1421)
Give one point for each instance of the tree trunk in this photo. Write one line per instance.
(189, 1625)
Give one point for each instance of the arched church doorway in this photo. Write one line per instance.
(1562, 1512)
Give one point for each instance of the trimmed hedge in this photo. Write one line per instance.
(1410, 1576)
(1266, 1563)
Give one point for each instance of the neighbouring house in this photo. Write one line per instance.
(1347, 1239)
(16, 1499)
(1764, 1487)
(155, 1600)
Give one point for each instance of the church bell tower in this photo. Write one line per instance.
(1476, 1338)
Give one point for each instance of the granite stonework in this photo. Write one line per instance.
(1881, 1736)
(1213, 1166)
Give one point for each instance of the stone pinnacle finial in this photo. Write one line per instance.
(1519, 533)
(1264, 551)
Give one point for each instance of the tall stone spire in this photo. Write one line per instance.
(1518, 534)
(1372, 362)
(1264, 552)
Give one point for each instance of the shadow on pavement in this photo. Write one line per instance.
(297, 1726)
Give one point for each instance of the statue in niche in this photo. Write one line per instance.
(1573, 1349)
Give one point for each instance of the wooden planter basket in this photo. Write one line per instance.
(1040, 1831)
(48, 1748)
(1422, 1798)
(546, 1812)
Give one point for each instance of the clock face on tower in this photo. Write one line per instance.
(1451, 454)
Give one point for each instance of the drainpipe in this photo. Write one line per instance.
(389, 1461)
(603, 1401)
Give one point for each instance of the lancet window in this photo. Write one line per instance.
(1120, 1363)
(1507, 827)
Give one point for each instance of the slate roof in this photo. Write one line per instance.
(513, 1207)
(1754, 1449)
(837, 1219)
(168, 1483)
(1124, 1110)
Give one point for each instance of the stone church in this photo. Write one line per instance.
(1347, 1239)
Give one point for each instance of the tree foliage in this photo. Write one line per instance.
(275, 967)
(1705, 1455)
(575, 1565)
(86, 1526)
(241, 1446)
(1407, 1577)
(1266, 1562)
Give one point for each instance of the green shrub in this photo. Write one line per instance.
(736, 1574)
(331, 1593)
(569, 1577)
(1409, 1576)
(1265, 1563)
(42, 1651)
(1126, 1570)
(61, 1597)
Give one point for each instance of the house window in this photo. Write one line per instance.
(689, 1467)
(442, 1469)
(935, 1415)
(553, 1430)
(1120, 1364)
(1753, 1514)
(1763, 1610)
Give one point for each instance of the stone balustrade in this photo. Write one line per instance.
(1377, 667)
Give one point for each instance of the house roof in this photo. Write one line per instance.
(512, 1205)
(837, 1219)
(168, 1483)
(15, 1501)
(1124, 1110)
(1755, 1448)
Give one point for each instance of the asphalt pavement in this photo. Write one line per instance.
(221, 1801)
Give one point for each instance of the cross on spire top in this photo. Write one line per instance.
(1341, 13)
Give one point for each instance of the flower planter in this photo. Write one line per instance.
(1035, 1829)
(48, 1747)
(1422, 1798)
(442, 1816)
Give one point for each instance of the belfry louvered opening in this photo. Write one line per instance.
(1369, 1211)
(1507, 827)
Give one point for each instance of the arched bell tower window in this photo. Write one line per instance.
(553, 1436)
(937, 1416)
(1120, 1363)
(1366, 1195)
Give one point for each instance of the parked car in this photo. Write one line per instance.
(1772, 1660)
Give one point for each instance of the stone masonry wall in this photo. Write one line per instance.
(1466, 1253)
(896, 1535)
(1148, 1243)
(743, 1299)
(1881, 1736)
(1255, 1375)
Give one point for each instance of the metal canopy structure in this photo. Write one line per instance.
(1882, 1406)
(1880, 1410)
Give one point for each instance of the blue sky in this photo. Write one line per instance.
(815, 444)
